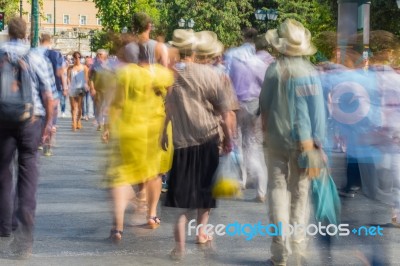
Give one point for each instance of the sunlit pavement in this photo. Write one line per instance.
(74, 219)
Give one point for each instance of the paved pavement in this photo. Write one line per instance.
(74, 219)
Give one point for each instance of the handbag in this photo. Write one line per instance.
(81, 91)
(226, 178)
(325, 198)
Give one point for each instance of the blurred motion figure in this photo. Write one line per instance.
(293, 116)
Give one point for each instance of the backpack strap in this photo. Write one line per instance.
(25, 79)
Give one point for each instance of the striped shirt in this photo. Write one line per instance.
(41, 76)
(194, 104)
(41, 51)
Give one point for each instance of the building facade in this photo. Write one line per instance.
(71, 22)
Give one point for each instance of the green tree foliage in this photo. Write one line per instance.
(104, 40)
(316, 15)
(384, 16)
(10, 8)
(226, 18)
(383, 30)
(42, 15)
(117, 14)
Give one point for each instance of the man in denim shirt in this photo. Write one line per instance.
(23, 137)
(293, 116)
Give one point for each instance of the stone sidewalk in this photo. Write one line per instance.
(74, 219)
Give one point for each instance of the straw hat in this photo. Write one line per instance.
(183, 39)
(218, 49)
(208, 44)
(291, 39)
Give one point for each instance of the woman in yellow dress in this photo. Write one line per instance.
(137, 117)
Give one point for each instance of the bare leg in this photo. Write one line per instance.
(79, 100)
(180, 234)
(202, 218)
(121, 196)
(153, 191)
(72, 102)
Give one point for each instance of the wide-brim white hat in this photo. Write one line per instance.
(183, 39)
(208, 44)
(291, 39)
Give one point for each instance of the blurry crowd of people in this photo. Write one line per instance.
(172, 109)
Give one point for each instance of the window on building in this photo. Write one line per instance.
(98, 21)
(82, 20)
(49, 18)
(66, 19)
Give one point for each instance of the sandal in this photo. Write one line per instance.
(177, 255)
(204, 239)
(395, 223)
(116, 236)
(153, 222)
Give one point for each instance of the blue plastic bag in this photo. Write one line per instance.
(325, 198)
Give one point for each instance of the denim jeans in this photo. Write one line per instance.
(62, 103)
(23, 138)
(86, 104)
(55, 111)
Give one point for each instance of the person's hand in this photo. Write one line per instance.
(164, 141)
(227, 146)
(92, 92)
(47, 131)
(312, 159)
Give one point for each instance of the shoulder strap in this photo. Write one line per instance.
(25, 78)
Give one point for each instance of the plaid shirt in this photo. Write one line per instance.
(194, 104)
(42, 77)
(41, 52)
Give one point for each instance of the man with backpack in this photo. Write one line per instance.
(25, 98)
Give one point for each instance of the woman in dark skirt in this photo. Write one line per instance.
(190, 183)
(195, 105)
